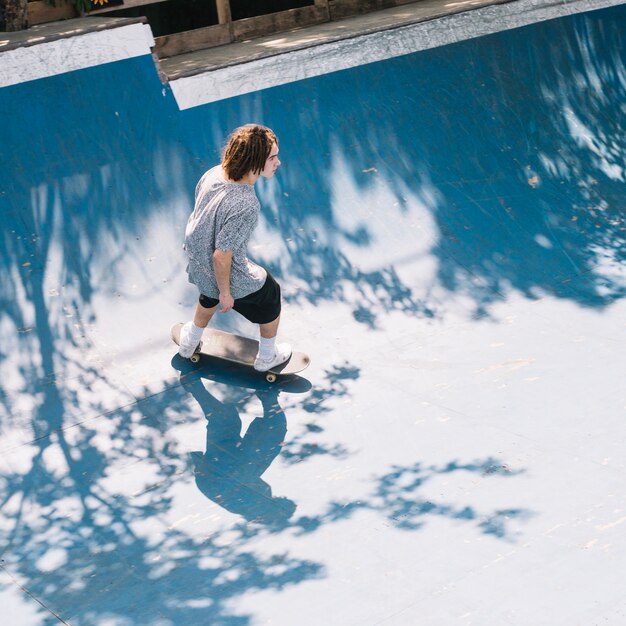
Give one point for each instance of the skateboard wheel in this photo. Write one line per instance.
(195, 358)
(270, 378)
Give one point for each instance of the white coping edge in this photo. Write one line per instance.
(74, 53)
(297, 65)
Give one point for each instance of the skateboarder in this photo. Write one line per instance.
(225, 214)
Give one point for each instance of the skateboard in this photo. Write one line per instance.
(242, 350)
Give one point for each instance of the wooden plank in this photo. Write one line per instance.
(191, 40)
(346, 8)
(40, 12)
(279, 22)
(128, 4)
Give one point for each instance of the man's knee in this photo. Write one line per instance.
(208, 303)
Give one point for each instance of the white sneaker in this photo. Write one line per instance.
(186, 346)
(282, 353)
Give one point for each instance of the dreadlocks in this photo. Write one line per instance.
(247, 150)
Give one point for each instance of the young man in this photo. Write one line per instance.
(216, 240)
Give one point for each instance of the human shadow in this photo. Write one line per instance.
(229, 471)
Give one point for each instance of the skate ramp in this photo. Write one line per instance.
(448, 229)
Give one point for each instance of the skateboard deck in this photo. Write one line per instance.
(242, 350)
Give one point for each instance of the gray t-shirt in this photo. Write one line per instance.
(224, 217)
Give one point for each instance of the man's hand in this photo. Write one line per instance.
(227, 301)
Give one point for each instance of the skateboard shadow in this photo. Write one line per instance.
(233, 374)
(229, 471)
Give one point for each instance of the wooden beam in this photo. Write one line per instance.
(192, 40)
(279, 22)
(346, 8)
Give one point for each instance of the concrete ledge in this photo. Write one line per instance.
(203, 77)
(64, 29)
(61, 47)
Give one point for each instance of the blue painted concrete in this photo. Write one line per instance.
(449, 231)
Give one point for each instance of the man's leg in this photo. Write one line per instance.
(270, 330)
(191, 332)
(203, 316)
(261, 305)
(270, 354)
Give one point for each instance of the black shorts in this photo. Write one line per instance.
(260, 307)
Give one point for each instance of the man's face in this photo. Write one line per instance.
(272, 163)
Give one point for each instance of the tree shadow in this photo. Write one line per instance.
(499, 159)
(89, 514)
(395, 497)
(90, 529)
(76, 515)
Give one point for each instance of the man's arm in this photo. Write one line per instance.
(222, 262)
